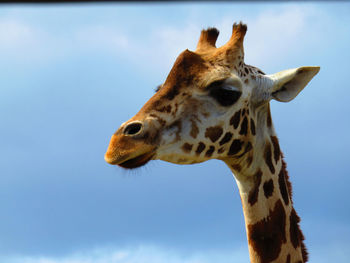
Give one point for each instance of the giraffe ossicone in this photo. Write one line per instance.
(214, 106)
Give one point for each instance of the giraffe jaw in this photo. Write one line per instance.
(131, 160)
(137, 161)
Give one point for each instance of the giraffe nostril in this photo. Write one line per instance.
(132, 128)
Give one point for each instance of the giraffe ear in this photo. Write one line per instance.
(288, 83)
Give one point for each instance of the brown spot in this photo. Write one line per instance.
(289, 189)
(276, 148)
(249, 160)
(247, 148)
(289, 185)
(246, 81)
(194, 129)
(175, 111)
(176, 124)
(146, 135)
(235, 147)
(294, 229)
(235, 119)
(150, 138)
(253, 194)
(268, 188)
(159, 119)
(296, 236)
(236, 167)
(269, 120)
(283, 187)
(226, 138)
(164, 109)
(210, 151)
(205, 114)
(246, 70)
(168, 108)
(213, 133)
(172, 92)
(267, 235)
(221, 150)
(288, 259)
(268, 157)
(252, 126)
(244, 126)
(186, 147)
(200, 148)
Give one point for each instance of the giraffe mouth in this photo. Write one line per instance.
(128, 153)
(137, 161)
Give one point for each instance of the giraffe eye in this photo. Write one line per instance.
(224, 94)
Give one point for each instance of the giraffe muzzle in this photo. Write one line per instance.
(128, 148)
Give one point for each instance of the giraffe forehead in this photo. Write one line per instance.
(194, 70)
(191, 71)
(186, 69)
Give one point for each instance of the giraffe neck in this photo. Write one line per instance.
(271, 222)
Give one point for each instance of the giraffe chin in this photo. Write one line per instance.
(137, 161)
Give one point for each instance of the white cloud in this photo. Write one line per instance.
(154, 254)
(274, 35)
(160, 46)
(171, 41)
(15, 33)
(141, 254)
(102, 37)
(18, 39)
(25, 43)
(277, 35)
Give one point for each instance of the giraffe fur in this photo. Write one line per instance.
(214, 106)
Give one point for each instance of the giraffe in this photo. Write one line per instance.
(214, 106)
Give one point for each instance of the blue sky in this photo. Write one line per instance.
(71, 74)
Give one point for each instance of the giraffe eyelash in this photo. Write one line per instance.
(224, 93)
(224, 96)
(216, 84)
(158, 88)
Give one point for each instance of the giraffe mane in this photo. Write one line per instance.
(300, 234)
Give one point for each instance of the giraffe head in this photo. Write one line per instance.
(211, 106)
